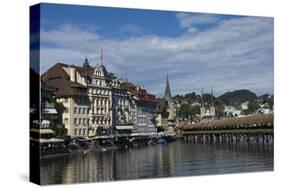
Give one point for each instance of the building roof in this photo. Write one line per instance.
(167, 94)
(138, 92)
(57, 78)
(253, 119)
(86, 63)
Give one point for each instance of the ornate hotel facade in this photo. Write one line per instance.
(95, 102)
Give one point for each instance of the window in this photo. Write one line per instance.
(79, 110)
(79, 121)
(75, 121)
(76, 132)
(65, 121)
(66, 110)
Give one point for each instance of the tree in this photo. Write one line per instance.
(253, 106)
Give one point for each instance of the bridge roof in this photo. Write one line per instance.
(253, 119)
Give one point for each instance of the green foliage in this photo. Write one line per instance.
(253, 106)
(269, 99)
(188, 111)
(235, 98)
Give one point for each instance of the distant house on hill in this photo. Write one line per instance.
(231, 111)
(245, 105)
(264, 109)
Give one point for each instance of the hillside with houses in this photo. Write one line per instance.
(236, 103)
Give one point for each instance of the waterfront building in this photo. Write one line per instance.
(123, 109)
(47, 125)
(142, 108)
(166, 109)
(109, 112)
(95, 102)
(71, 97)
(49, 116)
(162, 113)
(171, 104)
(99, 82)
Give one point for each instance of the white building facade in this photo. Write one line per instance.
(95, 102)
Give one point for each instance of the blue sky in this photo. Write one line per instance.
(198, 50)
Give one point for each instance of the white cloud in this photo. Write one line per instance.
(235, 53)
(192, 30)
(130, 29)
(192, 20)
(68, 36)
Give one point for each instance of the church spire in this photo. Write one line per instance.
(212, 98)
(126, 76)
(86, 63)
(168, 95)
(101, 56)
(202, 98)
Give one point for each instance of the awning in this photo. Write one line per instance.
(43, 131)
(49, 111)
(144, 134)
(124, 127)
(85, 139)
(55, 140)
(102, 137)
(52, 140)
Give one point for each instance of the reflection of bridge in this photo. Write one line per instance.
(257, 128)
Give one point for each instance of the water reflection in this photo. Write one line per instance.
(174, 159)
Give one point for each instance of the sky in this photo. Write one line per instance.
(197, 50)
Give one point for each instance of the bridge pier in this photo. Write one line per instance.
(229, 138)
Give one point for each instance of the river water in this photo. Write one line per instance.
(170, 160)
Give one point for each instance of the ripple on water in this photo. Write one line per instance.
(173, 159)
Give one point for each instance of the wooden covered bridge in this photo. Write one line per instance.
(258, 128)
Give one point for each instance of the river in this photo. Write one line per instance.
(170, 160)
